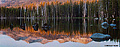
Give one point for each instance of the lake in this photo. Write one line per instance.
(59, 32)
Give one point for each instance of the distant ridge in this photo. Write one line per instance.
(10, 3)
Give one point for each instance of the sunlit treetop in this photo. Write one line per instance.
(68, 2)
(97, 0)
(87, 0)
(57, 2)
(62, 3)
(43, 4)
(40, 4)
(54, 2)
(79, 2)
(17, 6)
(93, 1)
(48, 3)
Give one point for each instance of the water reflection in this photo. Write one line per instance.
(46, 27)
(35, 26)
(22, 26)
(62, 30)
(11, 27)
(105, 25)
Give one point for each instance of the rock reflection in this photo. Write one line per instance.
(23, 26)
(105, 25)
(11, 27)
(35, 26)
(112, 25)
(46, 27)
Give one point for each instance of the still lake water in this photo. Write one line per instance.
(57, 32)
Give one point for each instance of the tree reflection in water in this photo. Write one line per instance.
(62, 30)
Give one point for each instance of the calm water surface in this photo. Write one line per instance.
(57, 32)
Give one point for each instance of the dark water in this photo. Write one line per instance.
(58, 32)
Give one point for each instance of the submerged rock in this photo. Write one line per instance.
(105, 25)
(100, 37)
(112, 25)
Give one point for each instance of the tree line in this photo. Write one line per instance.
(94, 8)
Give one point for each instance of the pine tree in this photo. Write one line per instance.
(110, 9)
(71, 6)
(22, 12)
(92, 8)
(58, 9)
(0, 11)
(39, 10)
(115, 2)
(104, 7)
(26, 11)
(3, 11)
(75, 9)
(88, 8)
(19, 11)
(96, 8)
(34, 10)
(119, 7)
(81, 8)
(48, 9)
